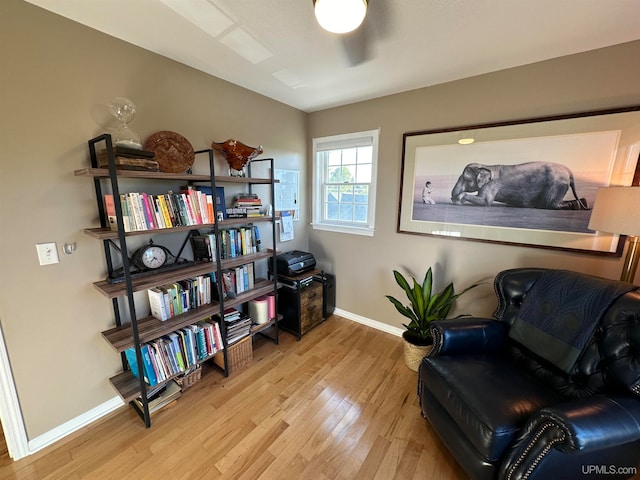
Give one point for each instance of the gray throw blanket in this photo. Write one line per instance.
(560, 313)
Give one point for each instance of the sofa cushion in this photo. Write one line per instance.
(487, 397)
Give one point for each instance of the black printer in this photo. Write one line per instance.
(294, 262)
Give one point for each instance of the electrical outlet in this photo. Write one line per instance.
(47, 253)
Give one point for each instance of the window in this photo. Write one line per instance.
(344, 182)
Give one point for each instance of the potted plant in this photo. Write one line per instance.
(425, 307)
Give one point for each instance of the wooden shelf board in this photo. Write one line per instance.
(104, 173)
(241, 260)
(261, 327)
(150, 328)
(113, 290)
(128, 386)
(106, 233)
(261, 287)
(245, 220)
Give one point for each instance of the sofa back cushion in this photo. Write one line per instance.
(609, 361)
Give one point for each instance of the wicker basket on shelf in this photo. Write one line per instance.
(239, 355)
(190, 378)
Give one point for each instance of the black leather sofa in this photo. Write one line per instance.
(511, 406)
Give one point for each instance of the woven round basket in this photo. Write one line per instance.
(413, 354)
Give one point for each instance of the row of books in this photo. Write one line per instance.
(177, 352)
(173, 299)
(234, 242)
(236, 280)
(237, 325)
(143, 211)
(245, 205)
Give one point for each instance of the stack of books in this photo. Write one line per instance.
(129, 159)
(238, 325)
(162, 397)
(245, 205)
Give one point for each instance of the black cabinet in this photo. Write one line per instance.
(328, 293)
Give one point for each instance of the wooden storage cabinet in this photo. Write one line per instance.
(141, 330)
(310, 306)
(300, 303)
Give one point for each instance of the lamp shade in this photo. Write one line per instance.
(616, 210)
(340, 16)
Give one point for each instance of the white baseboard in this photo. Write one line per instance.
(74, 424)
(370, 323)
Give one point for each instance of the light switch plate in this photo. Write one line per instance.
(47, 253)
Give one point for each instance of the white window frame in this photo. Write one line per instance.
(337, 142)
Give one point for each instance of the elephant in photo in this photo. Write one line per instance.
(532, 185)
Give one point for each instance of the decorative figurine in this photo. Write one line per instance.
(237, 155)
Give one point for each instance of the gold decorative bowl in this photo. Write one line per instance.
(236, 153)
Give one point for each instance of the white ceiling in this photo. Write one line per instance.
(276, 48)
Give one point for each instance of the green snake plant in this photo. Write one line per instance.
(425, 305)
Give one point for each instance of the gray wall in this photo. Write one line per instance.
(600, 79)
(57, 78)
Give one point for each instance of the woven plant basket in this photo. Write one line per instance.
(413, 354)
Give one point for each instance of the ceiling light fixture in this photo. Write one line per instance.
(466, 141)
(340, 16)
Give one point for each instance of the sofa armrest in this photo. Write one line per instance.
(585, 425)
(466, 335)
(597, 422)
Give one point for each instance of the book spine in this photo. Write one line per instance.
(210, 213)
(157, 304)
(251, 275)
(141, 224)
(148, 211)
(165, 212)
(148, 366)
(110, 210)
(258, 240)
(194, 202)
(159, 213)
(157, 369)
(186, 202)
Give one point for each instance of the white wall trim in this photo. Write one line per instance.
(15, 433)
(74, 424)
(370, 323)
(10, 413)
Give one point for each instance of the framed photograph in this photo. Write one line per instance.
(529, 182)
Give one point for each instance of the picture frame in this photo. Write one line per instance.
(526, 196)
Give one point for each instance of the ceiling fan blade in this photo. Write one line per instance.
(356, 46)
(359, 46)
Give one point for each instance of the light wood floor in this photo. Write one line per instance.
(340, 404)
